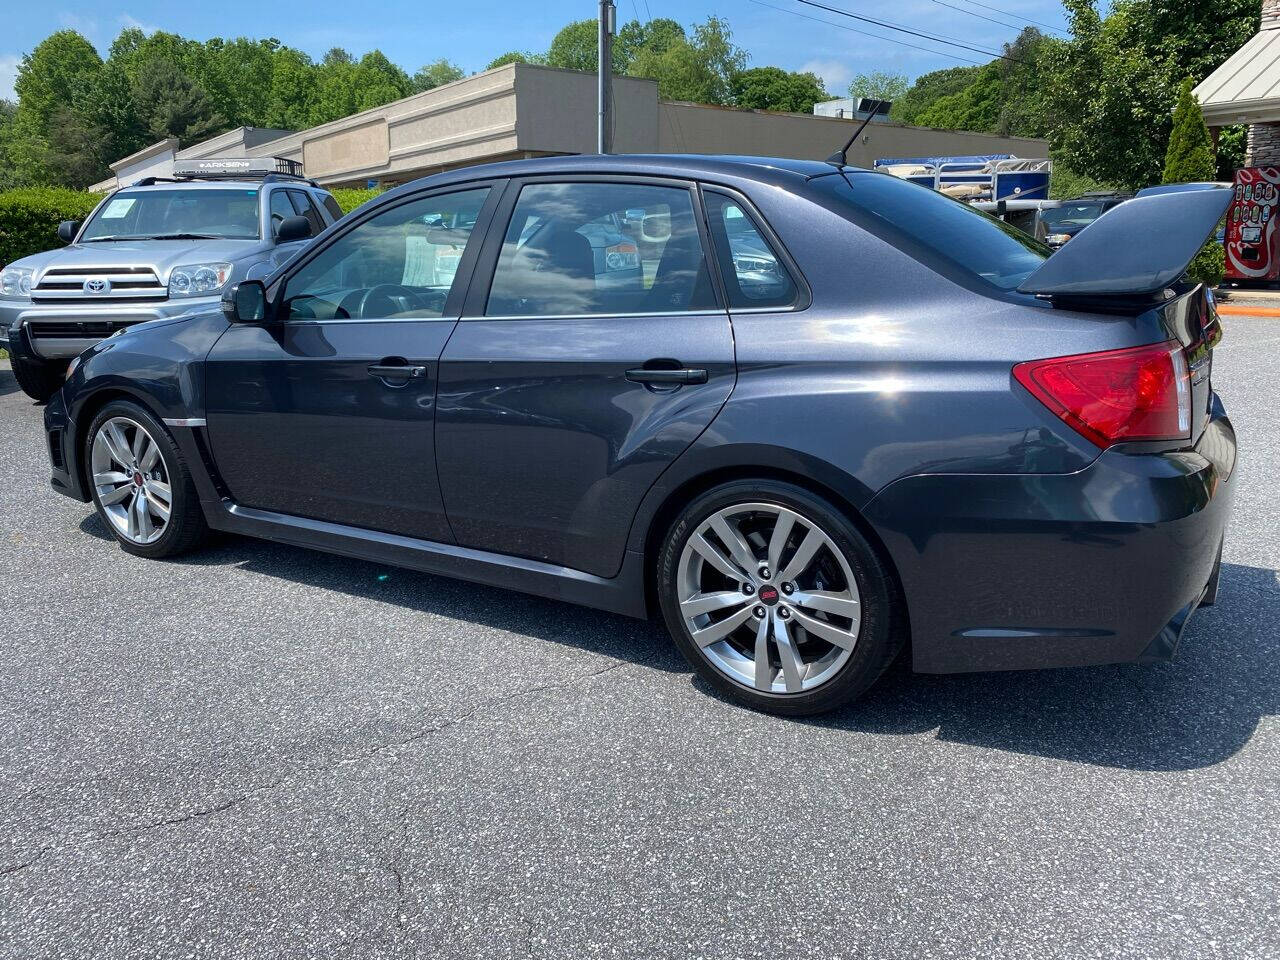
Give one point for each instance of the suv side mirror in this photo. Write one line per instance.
(245, 302)
(293, 228)
(67, 230)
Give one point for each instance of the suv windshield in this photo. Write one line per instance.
(922, 220)
(1070, 215)
(176, 213)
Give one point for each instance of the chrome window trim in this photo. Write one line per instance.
(599, 316)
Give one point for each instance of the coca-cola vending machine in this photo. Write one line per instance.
(1253, 249)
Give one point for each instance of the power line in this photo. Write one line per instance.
(1017, 16)
(873, 36)
(915, 33)
(980, 16)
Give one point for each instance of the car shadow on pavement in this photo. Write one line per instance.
(595, 631)
(1196, 711)
(8, 382)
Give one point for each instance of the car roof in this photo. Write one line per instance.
(778, 170)
(218, 184)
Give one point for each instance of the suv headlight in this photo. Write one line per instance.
(15, 282)
(198, 279)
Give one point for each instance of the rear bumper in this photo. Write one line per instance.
(1026, 571)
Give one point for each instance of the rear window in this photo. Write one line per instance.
(922, 221)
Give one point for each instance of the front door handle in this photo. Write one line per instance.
(667, 377)
(396, 371)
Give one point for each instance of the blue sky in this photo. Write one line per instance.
(471, 33)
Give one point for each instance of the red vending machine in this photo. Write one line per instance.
(1253, 249)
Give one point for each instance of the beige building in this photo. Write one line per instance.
(521, 110)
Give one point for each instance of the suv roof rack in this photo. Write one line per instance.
(266, 169)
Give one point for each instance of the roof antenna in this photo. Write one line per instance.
(840, 158)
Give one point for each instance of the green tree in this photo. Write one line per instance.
(515, 56)
(928, 89)
(436, 74)
(1189, 158)
(59, 72)
(772, 88)
(291, 101)
(575, 46)
(700, 70)
(171, 104)
(879, 86)
(656, 36)
(1110, 88)
(377, 81)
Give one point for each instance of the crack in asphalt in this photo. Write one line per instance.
(392, 867)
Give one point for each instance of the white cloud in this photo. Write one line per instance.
(835, 75)
(8, 75)
(85, 26)
(130, 22)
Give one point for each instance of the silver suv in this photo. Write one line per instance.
(158, 249)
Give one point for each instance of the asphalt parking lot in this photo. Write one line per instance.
(258, 751)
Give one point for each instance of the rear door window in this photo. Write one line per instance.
(754, 275)
(281, 210)
(306, 208)
(601, 248)
(331, 205)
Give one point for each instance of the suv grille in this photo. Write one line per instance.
(98, 284)
(78, 329)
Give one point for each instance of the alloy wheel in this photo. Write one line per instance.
(768, 598)
(131, 481)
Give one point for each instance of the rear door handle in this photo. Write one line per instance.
(679, 376)
(396, 371)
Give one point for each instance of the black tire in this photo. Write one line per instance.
(881, 630)
(38, 380)
(186, 526)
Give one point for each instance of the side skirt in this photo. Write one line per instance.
(623, 594)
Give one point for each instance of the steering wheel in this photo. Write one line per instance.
(396, 297)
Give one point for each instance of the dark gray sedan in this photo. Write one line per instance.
(815, 416)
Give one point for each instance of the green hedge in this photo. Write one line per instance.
(29, 218)
(348, 200)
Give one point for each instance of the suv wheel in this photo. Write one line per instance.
(38, 380)
(140, 483)
(776, 599)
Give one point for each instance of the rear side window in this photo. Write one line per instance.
(281, 210)
(925, 223)
(331, 205)
(610, 249)
(306, 208)
(754, 275)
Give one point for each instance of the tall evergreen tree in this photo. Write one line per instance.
(1189, 158)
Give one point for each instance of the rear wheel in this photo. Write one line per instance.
(140, 483)
(776, 599)
(38, 380)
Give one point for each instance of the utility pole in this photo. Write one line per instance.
(604, 111)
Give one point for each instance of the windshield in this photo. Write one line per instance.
(1071, 215)
(177, 213)
(920, 220)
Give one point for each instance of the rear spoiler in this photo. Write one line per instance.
(1136, 248)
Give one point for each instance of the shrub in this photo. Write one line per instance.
(348, 200)
(29, 218)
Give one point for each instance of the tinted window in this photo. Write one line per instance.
(307, 208)
(401, 263)
(281, 209)
(600, 248)
(918, 219)
(753, 274)
(331, 205)
(143, 214)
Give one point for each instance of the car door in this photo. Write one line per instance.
(592, 351)
(327, 412)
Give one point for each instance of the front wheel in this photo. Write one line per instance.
(776, 599)
(38, 380)
(141, 485)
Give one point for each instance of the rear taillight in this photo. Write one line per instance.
(1141, 393)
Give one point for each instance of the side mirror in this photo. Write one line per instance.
(245, 302)
(67, 230)
(293, 228)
